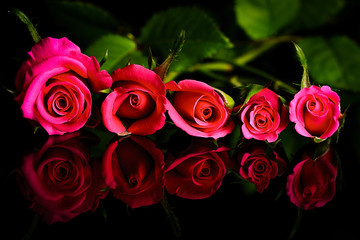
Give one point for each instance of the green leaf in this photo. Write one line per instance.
(203, 38)
(84, 21)
(228, 100)
(264, 18)
(334, 61)
(314, 13)
(118, 48)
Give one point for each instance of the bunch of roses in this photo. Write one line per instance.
(56, 84)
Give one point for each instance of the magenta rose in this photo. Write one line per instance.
(197, 172)
(264, 116)
(137, 104)
(54, 85)
(257, 167)
(315, 112)
(59, 179)
(312, 183)
(198, 109)
(133, 169)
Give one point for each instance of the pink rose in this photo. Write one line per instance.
(315, 112)
(257, 167)
(59, 179)
(54, 85)
(312, 183)
(137, 104)
(198, 109)
(197, 172)
(264, 116)
(133, 169)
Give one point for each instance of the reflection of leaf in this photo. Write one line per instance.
(264, 18)
(84, 21)
(334, 61)
(118, 48)
(203, 38)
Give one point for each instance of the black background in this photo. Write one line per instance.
(229, 213)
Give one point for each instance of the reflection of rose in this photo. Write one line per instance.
(59, 180)
(264, 116)
(312, 183)
(315, 112)
(196, 108)
(258, 168)
(54, 85)
(197, 172)
(133, 169)
(137, 104)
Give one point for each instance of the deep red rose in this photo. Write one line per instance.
(315, 112)
(137, 104)
(55, 85)
(254, 165)
(312, 183)
(197, 172)
(133, 169)
(198, 109)
(264, 116)
(59, 180)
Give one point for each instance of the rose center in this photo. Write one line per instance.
(134, 100)
(207, 113)
(205, 172)
(316, 106)
(137, 105)
(62, 171)
(260, 167)
(133, 181)
(62, 103)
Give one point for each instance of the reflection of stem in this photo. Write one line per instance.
(33, 226)
(170, 214)
(296, 225)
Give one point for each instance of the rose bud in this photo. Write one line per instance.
(55, 85)
(59, 180)
(197, 172)
(315, 112)
(198, 109)
(264, 116)
(254, 165)
(137, 104)
(133, 169)
(312, 183)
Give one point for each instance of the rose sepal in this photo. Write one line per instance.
(228, 100)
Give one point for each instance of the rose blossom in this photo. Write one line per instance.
(312, 183)
(264, 116)
(315, 112)
(198, 109)
(54, 85)
(59, 179)
(197, 172)
(133, 169)
(255, 166)
(137, 104)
